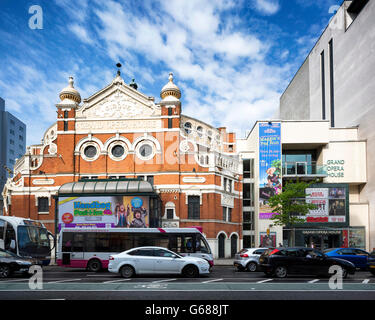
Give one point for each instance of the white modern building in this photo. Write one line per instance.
(334, 158)
(336, 83)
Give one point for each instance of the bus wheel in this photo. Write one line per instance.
(127, 271)
(94, 265)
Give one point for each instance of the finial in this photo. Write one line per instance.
(118, 65)
(170, 77)
(133, 84)
(71, 82)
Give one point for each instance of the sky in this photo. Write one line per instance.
(231, 59)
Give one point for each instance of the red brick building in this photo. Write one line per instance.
(120, 132)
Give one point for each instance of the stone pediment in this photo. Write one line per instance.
(118, 101)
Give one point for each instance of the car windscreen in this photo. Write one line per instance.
(328, 250)
(33, 241)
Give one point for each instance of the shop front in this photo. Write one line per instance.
(325, 238)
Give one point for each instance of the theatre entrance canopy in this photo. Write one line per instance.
(123, 203)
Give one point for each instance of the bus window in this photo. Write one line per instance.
(2, 228)
(78, 242)
(67, 242)
(10, 236)
(120, 242)
(102, 242)
(201, 246)
(189, 244)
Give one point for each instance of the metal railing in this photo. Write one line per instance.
(303, 169)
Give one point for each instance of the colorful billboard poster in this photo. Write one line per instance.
(267, 241)
(331, 204)
(269, 165)
(104, 212)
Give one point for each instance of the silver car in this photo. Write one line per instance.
(156, 260)
(248, 259)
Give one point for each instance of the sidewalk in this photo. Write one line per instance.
(223, 262)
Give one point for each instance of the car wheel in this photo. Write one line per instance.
(94, 265)
(4, 271)
(127, 271)
(190, 271)
(281, 272)
(252, 267)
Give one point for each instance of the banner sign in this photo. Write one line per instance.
(331, 204)
(104, 212)
(269, 165)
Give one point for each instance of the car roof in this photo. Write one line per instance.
(148, 247)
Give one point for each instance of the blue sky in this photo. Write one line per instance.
(231, 59)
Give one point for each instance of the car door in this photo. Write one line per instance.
(361, 258)
(315, 261)
(348, 254)
(143, 260)
(295, 261)
(167, 262)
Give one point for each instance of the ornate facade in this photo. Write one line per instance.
(120, 132)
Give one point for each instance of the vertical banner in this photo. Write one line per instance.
(270, 154)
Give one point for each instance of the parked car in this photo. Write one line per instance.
(307, 261)
(371, 262)
(248, 259)
(10, 262)
(358, 257)
(156, 260)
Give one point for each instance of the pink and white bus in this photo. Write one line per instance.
(91, 247)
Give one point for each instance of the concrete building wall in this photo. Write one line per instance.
(298, 93)
(353, 42)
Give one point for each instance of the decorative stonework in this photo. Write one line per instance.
(119, 105)
(227, 200)
(128, 125)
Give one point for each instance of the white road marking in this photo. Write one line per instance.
(267, 280)
(366, 281)
(213, 280)
(313, 281)
(61, 281)
(114, 281)
(157, 281)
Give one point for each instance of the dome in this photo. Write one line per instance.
(70, 92)
(170, 89)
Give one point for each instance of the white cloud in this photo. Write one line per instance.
(267, 7)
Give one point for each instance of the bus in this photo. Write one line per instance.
(25, 238)
(90, 248)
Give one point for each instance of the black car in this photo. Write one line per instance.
(307, 261)
(10, 262)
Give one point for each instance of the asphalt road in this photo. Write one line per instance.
(224, 283)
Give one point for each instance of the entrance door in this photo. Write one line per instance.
(221, 246)
(233, 245)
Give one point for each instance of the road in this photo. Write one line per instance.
(224, 283)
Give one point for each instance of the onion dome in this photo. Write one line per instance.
(170, 91)
(70, 92)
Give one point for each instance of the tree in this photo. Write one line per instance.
(290, 205)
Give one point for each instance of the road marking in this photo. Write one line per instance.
(313, 281)
(366, 281)
(157, 281)
(5, 281)
(213, 280)
(61, 281)
(262, 281)
(114, 281)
